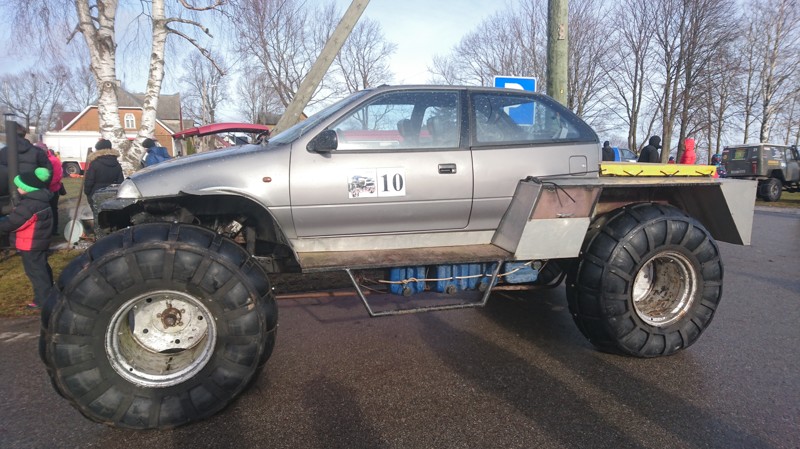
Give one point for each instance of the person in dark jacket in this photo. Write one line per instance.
(30, 224)
(29, 157)
(104, 170)
(608, 152)
(650, 152)
(154, 154)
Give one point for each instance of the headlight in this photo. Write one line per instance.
(128, 190)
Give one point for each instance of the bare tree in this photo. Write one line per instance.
(629, 62)
(364, 59)
(257, 99)
(708, 29)
(588, 48)
(275, 34)
(507, 43)
(205, 87)
(669, 17)
(779, 22)
(717, 87)
(34, 96)
(81, 88)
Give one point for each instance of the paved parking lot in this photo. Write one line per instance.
(516, 374)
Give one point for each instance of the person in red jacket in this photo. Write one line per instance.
(688, 156)
(30, 225)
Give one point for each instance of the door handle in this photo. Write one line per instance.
(447, 169)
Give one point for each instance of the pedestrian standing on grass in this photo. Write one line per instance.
(104, 170)
(56, 187)
(30, 225)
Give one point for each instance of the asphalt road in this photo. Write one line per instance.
(516, 374)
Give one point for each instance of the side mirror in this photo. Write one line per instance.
(324, 142)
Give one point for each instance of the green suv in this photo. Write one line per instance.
(775, 167)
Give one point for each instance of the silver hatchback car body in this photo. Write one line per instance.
(442, 165)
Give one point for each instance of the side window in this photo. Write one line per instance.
(402, 120)
(511, 118)
(130, 121)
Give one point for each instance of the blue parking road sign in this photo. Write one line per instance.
(522, 114)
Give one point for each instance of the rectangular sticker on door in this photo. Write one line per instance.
(380, 182)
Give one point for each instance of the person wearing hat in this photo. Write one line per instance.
(104, 170)
(29, 157)
(154, 154)
(608, 152)
(650, 152)
(30, 224)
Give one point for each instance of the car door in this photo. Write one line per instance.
(399, 166)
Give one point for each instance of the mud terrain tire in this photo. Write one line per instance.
(647, 283)
(158, 325)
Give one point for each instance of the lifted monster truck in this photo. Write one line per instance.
(444, 189)
(775, 167)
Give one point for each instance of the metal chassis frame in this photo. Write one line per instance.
(374, 314)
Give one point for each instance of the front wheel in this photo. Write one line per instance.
(158, 325)
(648, 282)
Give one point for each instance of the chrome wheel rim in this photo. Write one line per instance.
(160, 339)
(664, 288)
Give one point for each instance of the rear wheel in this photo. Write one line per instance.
(648, 282)
(157, 326)
(771, 189)
(71, 168)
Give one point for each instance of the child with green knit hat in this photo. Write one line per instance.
(30, 226)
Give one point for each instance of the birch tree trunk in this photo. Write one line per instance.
(102, 48)
(154, 81)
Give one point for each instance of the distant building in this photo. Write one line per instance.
(86, 123)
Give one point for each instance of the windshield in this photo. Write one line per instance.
(300, 128)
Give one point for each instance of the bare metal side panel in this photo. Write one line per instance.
(739, 196)
(546, 222)
(552, 239)
(519, 212)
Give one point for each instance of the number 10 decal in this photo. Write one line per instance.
(371, 182)
(391, 182)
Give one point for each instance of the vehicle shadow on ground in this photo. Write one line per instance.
(551, 397)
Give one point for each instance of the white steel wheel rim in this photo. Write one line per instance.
(160, 339)
(664, 288)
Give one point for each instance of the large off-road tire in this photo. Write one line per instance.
(771, 189)
(158, 325)
(647, 283)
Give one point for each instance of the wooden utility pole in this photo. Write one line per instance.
(557, 50)
(321, 65)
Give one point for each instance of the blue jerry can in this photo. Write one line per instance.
(455, 278)
(404, 273)
(526, 273)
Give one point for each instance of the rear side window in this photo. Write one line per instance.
(736, 154)
(512, 118)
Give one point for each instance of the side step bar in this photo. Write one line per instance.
(466, 305)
